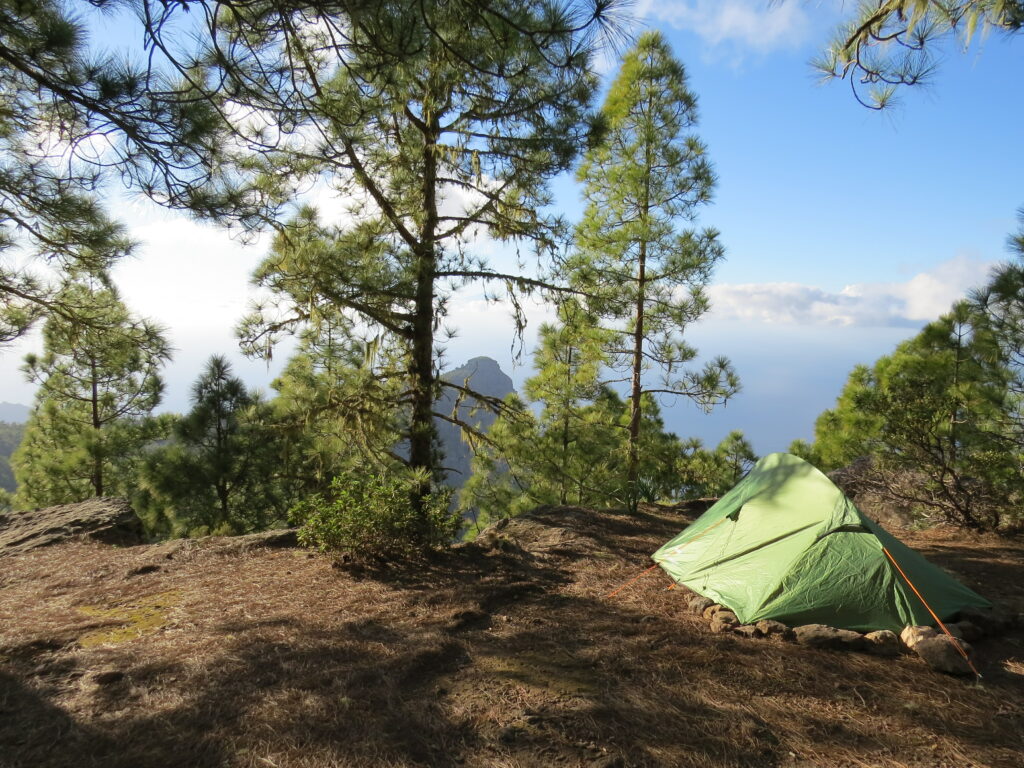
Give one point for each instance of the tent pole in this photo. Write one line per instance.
(956, 643)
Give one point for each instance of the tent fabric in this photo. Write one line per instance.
(786, 544)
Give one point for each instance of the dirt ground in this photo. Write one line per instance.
(501, 654)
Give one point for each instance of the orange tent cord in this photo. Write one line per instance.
(956, 643)
(614, 592)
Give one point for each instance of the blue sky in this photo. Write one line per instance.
(845, 229)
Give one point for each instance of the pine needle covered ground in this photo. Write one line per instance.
(504, 653)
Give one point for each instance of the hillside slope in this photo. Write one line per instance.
(505, 654)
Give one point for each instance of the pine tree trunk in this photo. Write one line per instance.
(223, 497)
(563, 492)
(421, 368)
(97, 459)
(636, 388)
(632, 476)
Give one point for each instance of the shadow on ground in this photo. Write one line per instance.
(507, 655)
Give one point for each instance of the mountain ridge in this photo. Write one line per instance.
(483, 375)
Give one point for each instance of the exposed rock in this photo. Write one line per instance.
(882, 643)
(698, 604)
(966, 630)
(771, 628)
(940, 653)
(822, 636)
(748, 630)
(911, 636)
(107, 519)
(724, 621)
(711, 610)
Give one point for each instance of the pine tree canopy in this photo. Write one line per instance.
(640, 264)
(439, 124)
(98, 383)
(887, 44)
(69, 117)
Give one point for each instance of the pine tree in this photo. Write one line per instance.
(888, 44)
(643, 274)
(68, 118)
(219, 471)
(712, 473)
(98, 385)
(444, 125)
(562, 454)
(568, 362)
(567, 443)
(936, 419)
(846, 432)
(333, 411)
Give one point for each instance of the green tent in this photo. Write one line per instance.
(787, 544)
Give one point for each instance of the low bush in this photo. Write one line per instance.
(374, 517)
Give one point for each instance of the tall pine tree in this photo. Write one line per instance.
(219, 471)
(99, 382)
(441, 123)
(644, 273)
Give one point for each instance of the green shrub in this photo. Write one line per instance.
(374, 517)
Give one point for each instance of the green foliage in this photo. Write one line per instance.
(575, 449)
(334, 412)
(806, 451)
(375, 516)
(68, 115)
(707, 474)
(888, 44)
(1016, 241)
(847, 431)
(217, 474)
(645, 276)
(445, 124)
(98, 383)
(939, 420)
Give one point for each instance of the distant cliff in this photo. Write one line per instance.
(482, 375)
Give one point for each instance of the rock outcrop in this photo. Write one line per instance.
(911, 636)
(941, 653)
(882, 643)
(108, 519)
(822, 636)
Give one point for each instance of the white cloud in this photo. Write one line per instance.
(188, 275)
(914, 302)
(754, 24)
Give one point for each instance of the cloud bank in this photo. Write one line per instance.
(912, 303)
(752, 24)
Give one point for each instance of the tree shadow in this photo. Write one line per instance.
(493, 656)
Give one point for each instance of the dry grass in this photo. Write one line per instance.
(180, 655)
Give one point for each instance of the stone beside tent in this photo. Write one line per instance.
(937, 649)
